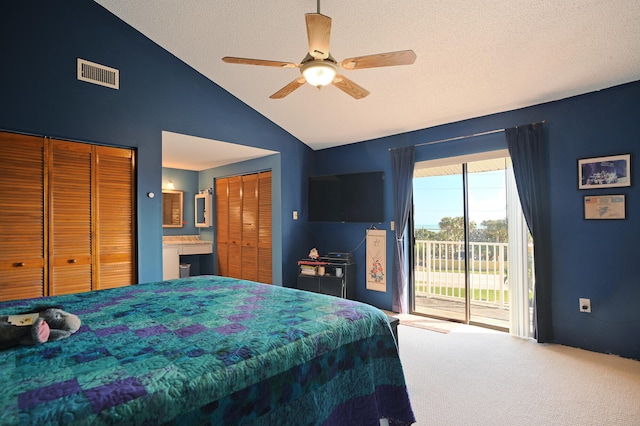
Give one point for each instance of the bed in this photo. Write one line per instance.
(207, 350)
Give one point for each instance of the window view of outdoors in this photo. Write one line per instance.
(440, 256)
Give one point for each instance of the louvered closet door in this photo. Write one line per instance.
(70, 215)
(22, 224)
(265, 270)
(250, 227)
(114, 225)
(235, 227)
(243, 227)
(222, 225)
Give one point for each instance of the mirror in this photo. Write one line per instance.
(172, 204)
(203, 210)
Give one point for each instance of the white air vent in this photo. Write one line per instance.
(98, 74)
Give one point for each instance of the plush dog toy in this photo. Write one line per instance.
(38, 326)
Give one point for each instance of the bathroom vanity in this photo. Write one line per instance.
(174, 246)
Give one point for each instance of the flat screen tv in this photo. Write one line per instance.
(353, 197)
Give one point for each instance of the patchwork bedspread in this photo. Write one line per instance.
(210, 350)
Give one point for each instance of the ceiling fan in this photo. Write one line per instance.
(319, 68)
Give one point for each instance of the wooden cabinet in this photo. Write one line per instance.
(243, 227)
(70, 207)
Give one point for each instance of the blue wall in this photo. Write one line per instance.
(41, 95)
(594, 259)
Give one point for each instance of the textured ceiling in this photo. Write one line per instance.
(474, 57)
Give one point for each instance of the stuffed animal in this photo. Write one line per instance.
(313, 254)
(37, 326)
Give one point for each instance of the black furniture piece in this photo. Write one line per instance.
(338, 279)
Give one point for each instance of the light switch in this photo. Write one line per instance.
(295, 215)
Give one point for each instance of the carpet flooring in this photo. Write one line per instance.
(476, 376)
(432, 324)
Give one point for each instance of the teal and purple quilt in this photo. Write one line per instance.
(207, 350)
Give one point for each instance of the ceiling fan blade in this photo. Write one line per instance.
(402, 57)
(286, 90)
(319, 34)
(262, 62)
(349, 87)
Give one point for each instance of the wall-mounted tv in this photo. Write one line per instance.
(353, 197)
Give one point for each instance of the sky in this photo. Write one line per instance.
(441, 196)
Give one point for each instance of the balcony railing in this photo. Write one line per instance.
(440, 271)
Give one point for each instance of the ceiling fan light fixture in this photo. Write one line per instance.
(319, 73)
(319, 68)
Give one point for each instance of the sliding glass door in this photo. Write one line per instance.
(439, 231)
(463, 230)
(487, 215)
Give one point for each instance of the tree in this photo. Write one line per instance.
(495, 230)
(425, 234)
(452, 228)
(492, 231)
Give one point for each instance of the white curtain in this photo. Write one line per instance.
(519, 306)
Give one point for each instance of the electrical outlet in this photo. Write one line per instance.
(585, 305)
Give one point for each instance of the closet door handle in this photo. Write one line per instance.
(19, 264)
(72, 260)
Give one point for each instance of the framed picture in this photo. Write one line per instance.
(604, 207)
(376, 260)
(604, 172)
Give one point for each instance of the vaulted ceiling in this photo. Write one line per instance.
(474, 57)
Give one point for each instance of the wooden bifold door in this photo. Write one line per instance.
(67, 214)
(243, 227)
